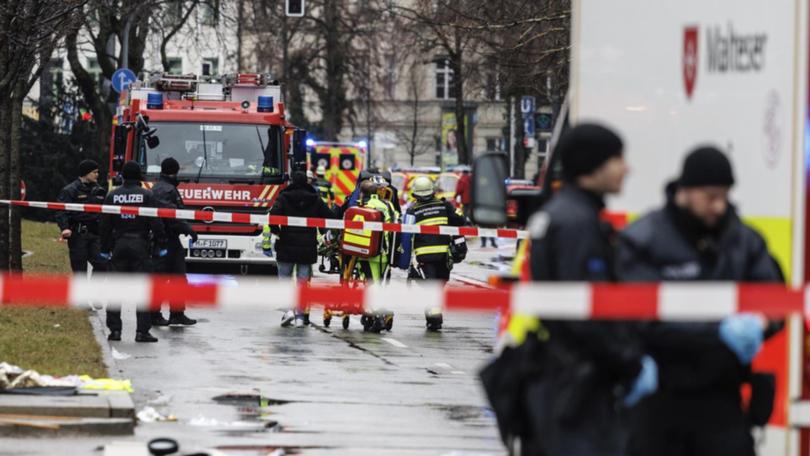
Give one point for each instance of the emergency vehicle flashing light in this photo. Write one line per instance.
(154, 100)
(265, 104)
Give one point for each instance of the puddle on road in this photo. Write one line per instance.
(465, 413)
(251, 407)
(265, 450)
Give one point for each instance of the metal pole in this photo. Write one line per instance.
(125, 43)
(511, 136)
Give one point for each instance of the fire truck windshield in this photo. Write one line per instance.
(212, 150)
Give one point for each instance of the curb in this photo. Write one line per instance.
(94, 315)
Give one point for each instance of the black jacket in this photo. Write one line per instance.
(114, 226)
(570, 243)
(671, 245)
(81, 193)
(298, 244)
(434, 212)
(166, 195)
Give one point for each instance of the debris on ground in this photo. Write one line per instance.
(150, 415)
(15, 377)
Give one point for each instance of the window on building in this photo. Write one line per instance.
(53, 78)
(95, 70)
(445, 86)
(210, 66)
(390, 82)
(494, 144)
(492, 86)
(175, 65)
(210, 13)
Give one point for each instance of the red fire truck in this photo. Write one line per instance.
(234, 145)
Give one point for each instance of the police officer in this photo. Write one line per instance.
(698, 236)
(323, 186)
(590, 371)
(166, 194)
(125, 239)
(432, 251)
(81, 229)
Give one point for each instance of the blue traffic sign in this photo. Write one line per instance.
(122, 78)
(528, 127)
(527, 104)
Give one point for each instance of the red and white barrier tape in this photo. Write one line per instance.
(572, 301)
(266, 219)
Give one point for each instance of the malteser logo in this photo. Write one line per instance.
(727, 52)
(690, 59)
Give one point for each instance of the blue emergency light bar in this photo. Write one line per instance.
(154, 100)
(265, 104)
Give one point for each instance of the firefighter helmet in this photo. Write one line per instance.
(422, 186)
(320, 171)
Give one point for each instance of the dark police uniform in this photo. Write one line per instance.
(589, 366)
(432, 251)
(174, 262)
(84, 242)
(697, 409)
(128, 237)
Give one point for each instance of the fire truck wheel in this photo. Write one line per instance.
(346, 322)
(327, 321)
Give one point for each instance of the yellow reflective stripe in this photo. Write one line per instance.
(429, 249)
(433, 221)
(356, 239)
(261, 196)
(359, 237)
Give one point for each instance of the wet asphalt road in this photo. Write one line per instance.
(239, 383)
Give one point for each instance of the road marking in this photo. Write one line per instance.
(444, 366)
(394, 342)
(457, 372)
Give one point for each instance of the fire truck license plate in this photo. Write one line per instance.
(210, 244)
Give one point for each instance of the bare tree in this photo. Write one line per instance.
(413, 135)
(440, 28)
(523, 43)
(170, 24)
(31, 29)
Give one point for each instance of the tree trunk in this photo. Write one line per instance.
(285, 59)
(333, 103)
(15, 229)
(5, 106)
(458, 81)
(240, 18)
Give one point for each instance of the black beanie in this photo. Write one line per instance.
(131, 171)
(299, 178)
(169, 166)
(86, 167)
(706, 167)
(586, 147)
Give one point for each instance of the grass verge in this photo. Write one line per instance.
(49, 340)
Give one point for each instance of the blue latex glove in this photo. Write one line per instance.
(106, 256)
(163, 252)
(743, 334)
(645, 384)
(268, 252)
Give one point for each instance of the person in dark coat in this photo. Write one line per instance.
(697, 236)
(297, 247)
(125, 241)
(591, 370)
(81, 229)
(166, 194)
